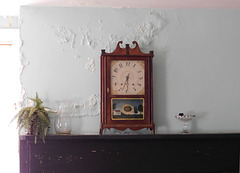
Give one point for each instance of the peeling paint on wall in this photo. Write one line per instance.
(150, 28)
(84, 107)
(89, 107)
(65, 36)
(77, 56)
(101, 25)
(24, 62)
(22, 102)
(88, 38)
(90, 41)
(144, 32)
(113, 40)
(23, 59)
(90, 65)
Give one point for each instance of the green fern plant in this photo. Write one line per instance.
(35, 119)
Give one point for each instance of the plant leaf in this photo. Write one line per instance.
(43, 117)
(35, 140)
(32, 111)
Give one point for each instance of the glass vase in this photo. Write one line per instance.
(62, 123)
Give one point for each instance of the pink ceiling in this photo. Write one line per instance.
(138, 3)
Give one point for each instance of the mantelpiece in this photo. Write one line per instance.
(200, 153)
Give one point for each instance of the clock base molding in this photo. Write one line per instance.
(123, 127)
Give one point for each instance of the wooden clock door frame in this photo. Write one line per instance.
(126, 54)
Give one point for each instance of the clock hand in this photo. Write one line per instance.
(123, 85)
(127, 82)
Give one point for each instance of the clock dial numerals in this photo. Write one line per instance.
(120, 65)
(127, 77)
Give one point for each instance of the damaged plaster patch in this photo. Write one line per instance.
(92, 102)
(156, 25)
(91, 34)
(65, 36)
(22, 101)
(50, 26)
(89, 107)
(114, 39)
(77, 56)
(90, 65)
(146, 31)
(24, 62)
(101, 25)
(23, 59)
(88, 38)
(85, 107)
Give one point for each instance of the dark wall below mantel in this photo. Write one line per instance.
(194, 153)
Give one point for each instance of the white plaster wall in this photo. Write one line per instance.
(196, 63)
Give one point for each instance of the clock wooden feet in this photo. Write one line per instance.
(123, 127)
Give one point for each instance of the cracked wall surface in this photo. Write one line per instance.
(61, 48)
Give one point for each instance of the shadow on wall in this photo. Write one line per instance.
(195, 122)
(160, 90)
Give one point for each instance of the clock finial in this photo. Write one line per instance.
(127, 50)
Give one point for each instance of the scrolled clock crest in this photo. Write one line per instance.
(127, 50)
(126, 89)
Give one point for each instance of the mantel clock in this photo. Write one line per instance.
(126, 89)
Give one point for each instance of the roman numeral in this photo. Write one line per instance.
(120, 65)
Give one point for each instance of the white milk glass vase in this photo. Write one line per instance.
(63, 122)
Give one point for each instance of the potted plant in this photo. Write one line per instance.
(35, 119)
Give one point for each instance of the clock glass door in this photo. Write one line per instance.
(127, 77)
(127, 108)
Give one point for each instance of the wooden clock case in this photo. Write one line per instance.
(127, 54)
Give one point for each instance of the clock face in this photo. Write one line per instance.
(127, 77)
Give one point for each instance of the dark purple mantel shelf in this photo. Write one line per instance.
(165, 153)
